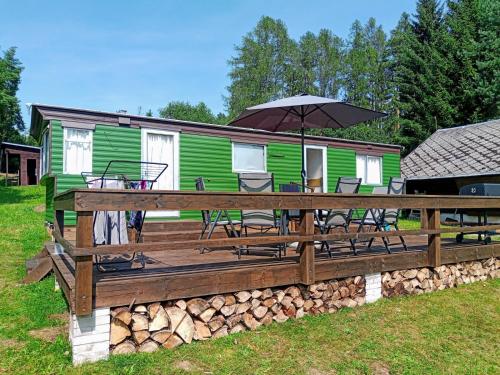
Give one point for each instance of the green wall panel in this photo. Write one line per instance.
(391, 167)
(341, 163)
(284, 160)
(207, 156)
(108, 143)
(115, 143)
(49, 183)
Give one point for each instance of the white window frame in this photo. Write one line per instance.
(325, 163)
(44, 157)
(176, 167)
(364, 178)
(65, 131)
(248, 144)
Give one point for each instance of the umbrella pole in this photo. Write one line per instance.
(303, 172)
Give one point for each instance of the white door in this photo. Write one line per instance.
(316, 165)
(159, 146)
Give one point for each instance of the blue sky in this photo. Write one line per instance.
(110, 55)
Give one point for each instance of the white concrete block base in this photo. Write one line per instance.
(89, 336)
(373, 287)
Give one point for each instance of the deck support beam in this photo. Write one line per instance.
(83, 264)
(307, 267)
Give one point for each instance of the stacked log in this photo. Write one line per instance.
(146, 328)
(424, 280)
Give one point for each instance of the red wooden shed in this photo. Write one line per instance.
(20, 161)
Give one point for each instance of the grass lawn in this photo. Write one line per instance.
(452, 331)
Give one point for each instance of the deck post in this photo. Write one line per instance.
(83, 264)
(433, 216)
(307, 271)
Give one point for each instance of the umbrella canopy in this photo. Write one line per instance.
(301, 112)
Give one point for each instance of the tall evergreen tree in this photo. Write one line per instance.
(356, 83)
(421, 73)
(462, 22)
(367, 74)
(488, 59)
(11, 121)
(317, 65)
(260, 68)
(329, 58)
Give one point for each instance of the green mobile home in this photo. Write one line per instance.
(78, 140)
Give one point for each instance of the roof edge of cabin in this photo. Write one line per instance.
(42, 112)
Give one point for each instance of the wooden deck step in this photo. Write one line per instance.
(178, 235)
(177, 225)
(38, 267)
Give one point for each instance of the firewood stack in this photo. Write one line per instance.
(423, 280)
(146, 328)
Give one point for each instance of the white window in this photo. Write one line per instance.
(249, 157)
(77, 151)
(44, 165)
(369, 169)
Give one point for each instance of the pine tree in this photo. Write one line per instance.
(462, 21)
(11, 121)
(329, 57)
(488, 59)
(421, 74)
(261, 68)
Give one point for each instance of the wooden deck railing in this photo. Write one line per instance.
(87, 201)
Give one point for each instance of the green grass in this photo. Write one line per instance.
(452, 331)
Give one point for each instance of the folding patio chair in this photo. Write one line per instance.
(214, 218)
(263, 220)
(383, 218)
(326, 220)
(288, 215)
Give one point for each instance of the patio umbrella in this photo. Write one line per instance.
(301, 112)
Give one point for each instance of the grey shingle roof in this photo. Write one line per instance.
(469, 150)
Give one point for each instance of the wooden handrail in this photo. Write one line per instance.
(151, 200)
(86, 201)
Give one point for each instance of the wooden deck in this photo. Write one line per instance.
(176, 269)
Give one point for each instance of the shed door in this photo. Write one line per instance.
(161, 146)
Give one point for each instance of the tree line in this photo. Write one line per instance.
(438, 68)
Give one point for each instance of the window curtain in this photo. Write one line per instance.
(78, 151)
(373, 171)
(249, 158)
(361, 168)
(160, 149)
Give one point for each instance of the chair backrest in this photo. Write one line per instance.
(200, 186)
(396, 185)
(376, 214)
(291, 188)
(257, 183)
(347, 185)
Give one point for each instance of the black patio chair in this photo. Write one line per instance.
(326, 220)
(214, 218)
(382, 219)
(262, 220)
